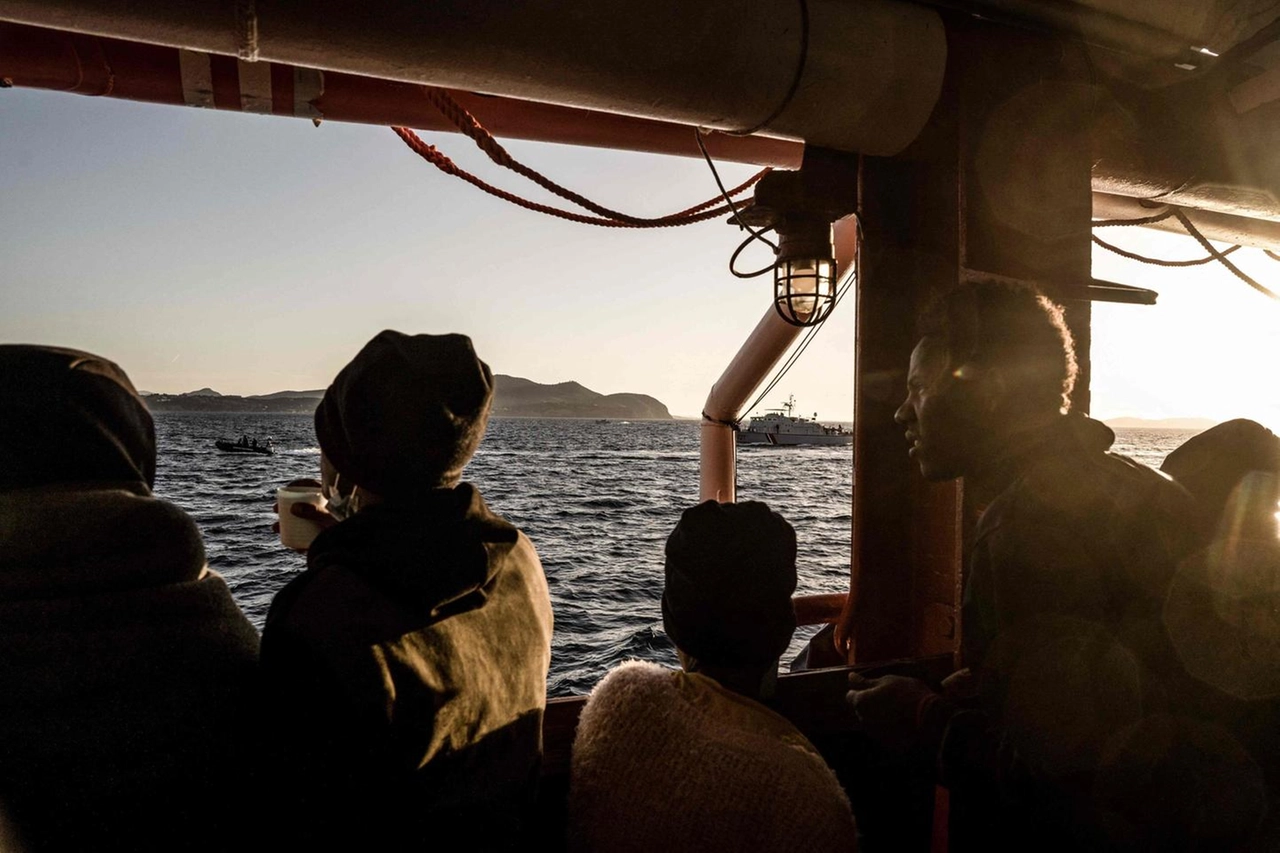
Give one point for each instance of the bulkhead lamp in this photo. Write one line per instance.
(804, 277)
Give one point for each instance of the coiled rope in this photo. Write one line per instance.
(1221, 258)
(604, 217)
(1160, 262)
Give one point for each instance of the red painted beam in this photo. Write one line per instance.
(37, 58)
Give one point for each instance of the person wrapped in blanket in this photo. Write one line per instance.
(127, 670)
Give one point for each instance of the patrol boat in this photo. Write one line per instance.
(919, 142)
(780, 428)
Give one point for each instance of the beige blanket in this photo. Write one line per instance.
(671, 761)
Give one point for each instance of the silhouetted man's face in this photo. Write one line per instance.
(942, 415)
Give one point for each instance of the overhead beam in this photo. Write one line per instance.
(1223, 227)
(852, 75)
(38, 58)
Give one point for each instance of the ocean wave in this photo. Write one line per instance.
(598, 502)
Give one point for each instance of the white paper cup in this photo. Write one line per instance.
(297, 533)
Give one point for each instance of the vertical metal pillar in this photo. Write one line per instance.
(998, 182)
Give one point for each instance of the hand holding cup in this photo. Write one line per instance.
(301, 506)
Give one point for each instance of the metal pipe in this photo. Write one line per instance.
(1162, 186)
(870, 70)
(766, 344)
(32, 57)
(764, 347)
(820, 609)
(1223, 227)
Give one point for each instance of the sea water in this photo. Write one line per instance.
(597, 499)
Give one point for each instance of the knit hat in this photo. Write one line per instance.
(407, 413)
(68, 417)
(730, 574)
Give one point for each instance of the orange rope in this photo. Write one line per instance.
(605, 217)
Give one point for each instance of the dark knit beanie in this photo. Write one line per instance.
(1210, 465)
(70, 417)
(730, 574)
(407, 413)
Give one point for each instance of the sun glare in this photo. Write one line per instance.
(1208, 349)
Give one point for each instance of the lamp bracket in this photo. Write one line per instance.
(824, 187)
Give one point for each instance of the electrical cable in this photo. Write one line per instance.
(850, 278)
(755, 235)
(786, 366)
(804, 343)
(795, 79)
(734, 257)
(794, 357)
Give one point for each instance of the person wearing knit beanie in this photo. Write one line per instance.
(407, 413)
(1214, 466)
(406, 667)
(694, 759)
(730, 572)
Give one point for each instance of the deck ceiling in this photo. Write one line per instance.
(1157, 42)
(1216, 24)
(1192, 87)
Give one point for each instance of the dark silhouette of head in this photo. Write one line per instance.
(1232, 471)
(69, 417)
(993, 359)
(406, 414)
(730, 574)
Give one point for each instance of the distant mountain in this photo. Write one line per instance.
(513, 398)
(310, 395)
(1161, 423)
(230, 403)
(523, 398)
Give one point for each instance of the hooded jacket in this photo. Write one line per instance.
(125, 676)
(407, 668)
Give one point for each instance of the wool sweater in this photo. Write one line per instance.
(672, 761)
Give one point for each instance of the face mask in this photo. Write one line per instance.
(341, 507)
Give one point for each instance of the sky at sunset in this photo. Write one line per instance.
(255, 254)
